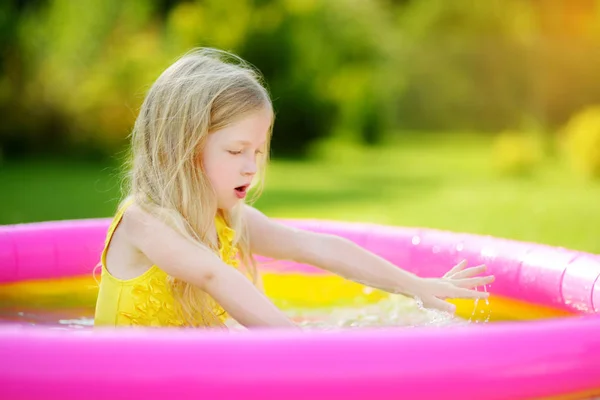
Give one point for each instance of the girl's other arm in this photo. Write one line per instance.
(185, 260)
(345, 258)
(333, 253)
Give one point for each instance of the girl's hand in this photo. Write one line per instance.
(458, 283)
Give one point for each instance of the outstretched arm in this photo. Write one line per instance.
(343, 257)
(185, 260)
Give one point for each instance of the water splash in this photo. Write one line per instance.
(394, 311)
(487, 303)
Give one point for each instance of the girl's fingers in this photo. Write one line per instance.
(461, 293)
(470, 283)
(469, 272)
(458, 267)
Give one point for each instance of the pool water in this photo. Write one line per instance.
(397, 311)
(70, 305)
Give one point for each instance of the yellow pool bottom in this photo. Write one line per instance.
(290, 290)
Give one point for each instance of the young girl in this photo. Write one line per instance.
(179, 250)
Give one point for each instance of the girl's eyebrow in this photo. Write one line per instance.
(245, 142)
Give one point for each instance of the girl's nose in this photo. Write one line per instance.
(250, 168)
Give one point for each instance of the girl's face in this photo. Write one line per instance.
(232, 155)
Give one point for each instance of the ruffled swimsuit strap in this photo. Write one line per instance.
(113, 226)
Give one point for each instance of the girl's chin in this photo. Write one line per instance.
(228, 205)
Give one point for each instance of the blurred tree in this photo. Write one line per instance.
(72, 74)
(466, 63)
(566, 58)
(88, 65)
(581, 142)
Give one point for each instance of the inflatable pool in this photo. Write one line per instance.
(543, 340)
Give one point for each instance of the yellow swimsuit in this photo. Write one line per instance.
(147, 300)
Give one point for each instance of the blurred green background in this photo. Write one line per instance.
(472, 116)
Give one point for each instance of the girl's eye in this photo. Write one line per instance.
(258, 152)
(234, 152)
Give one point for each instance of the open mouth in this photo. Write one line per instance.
(240, 191)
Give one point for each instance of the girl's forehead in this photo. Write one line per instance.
(251, 129)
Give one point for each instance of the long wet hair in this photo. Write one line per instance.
(203, 91)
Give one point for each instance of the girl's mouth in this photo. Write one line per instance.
(241, 191)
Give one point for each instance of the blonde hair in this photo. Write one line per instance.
(203, 91)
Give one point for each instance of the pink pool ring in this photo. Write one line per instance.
(501, 360)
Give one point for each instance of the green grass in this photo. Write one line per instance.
(446, 182)
(52, 190)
